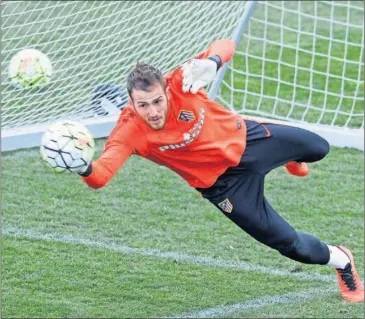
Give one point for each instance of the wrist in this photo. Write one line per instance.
(217, 60)
(88, 171)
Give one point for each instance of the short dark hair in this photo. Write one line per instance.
(143, 76)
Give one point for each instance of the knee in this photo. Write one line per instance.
(286, 244)
(321, 148)
(292, 246)
(299, 248)
(289, 248)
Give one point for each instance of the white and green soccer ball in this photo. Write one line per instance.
(30, 69)
(67, 145)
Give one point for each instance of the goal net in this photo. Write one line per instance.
(94, 42)
(296, 61)
(303, 62)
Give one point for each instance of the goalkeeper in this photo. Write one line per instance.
(170, 121)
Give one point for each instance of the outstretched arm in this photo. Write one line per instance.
(116, 152)
(224, 49)
(100, 172)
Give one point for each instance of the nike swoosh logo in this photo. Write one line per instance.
(267, 130)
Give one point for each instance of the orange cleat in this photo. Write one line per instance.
(297, 168)
(351, 287)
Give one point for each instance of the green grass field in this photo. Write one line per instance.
(148, 246)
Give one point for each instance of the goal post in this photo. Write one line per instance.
(296, 61)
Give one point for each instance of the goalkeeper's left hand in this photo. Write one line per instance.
(197, 73)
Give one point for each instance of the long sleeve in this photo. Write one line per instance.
(116, 151)
(223, 48)
(112, 159)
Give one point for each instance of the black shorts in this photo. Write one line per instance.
(239, 192)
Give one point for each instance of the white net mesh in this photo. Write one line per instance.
(94, 42)
(301, 61)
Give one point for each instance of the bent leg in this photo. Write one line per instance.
(295, 245)
(285, 144)
(250, 211)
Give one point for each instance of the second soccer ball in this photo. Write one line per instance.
(30, 68)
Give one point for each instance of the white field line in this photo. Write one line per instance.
(177, 256)
(237, 308)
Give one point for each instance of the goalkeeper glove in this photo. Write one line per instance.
(198, 73)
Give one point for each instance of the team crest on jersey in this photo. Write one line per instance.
(226, 206)
(189, 136)
(186, 116)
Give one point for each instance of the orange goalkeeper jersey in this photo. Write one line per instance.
(200, 140)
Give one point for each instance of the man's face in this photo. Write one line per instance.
(151, 106)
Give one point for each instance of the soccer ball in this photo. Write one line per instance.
(67, 145)
(29, 68)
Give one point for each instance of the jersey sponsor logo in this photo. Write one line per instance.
(189, 136)
(226, 206)
(187, 116)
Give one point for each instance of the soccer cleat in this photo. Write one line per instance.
(351, 287)
(297, 168)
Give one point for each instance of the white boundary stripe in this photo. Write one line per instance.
(182, 257)
(226, 311)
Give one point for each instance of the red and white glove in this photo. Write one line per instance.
(198, 73)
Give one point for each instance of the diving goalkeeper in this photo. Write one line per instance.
(170, 121)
